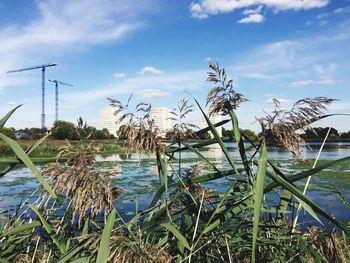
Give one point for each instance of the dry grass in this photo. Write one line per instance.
(140, 130)
(222, 98)
(279, 128)
(328, 246)
(196, 189)
(77, 179)
(124, 250)
(182, 130)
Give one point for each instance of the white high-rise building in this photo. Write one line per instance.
(109, 120)
(161, 117)
(214, 119)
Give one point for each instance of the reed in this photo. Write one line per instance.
(73, 219)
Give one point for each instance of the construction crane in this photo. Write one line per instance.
(57, 82)
(43, 67)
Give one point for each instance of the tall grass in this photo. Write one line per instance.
(72, 220)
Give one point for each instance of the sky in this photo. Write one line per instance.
(159, 50)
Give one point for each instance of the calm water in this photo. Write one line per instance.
(139, 178)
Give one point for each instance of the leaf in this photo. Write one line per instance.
(7, 116)
(297, 193)
(48, 229)
(235, 127)
(177, 234)
(103, 250)
(201, 156)
(26, 160)
(68, 256)
(24, 227)
(309, 209)
(258, 196)
(218, 139)
(28, 151)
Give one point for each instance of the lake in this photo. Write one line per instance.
(138, 177)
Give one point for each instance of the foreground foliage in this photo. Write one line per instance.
(72, 217)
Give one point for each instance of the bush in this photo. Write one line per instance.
(62, 130)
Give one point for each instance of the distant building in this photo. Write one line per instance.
(214, 119)
(109, 120)
(22, 134)
(161, 117)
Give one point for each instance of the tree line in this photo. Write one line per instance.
(61, 130)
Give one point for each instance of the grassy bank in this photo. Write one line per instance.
(50, 148)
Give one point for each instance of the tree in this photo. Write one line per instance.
(64, 130)
(9, 132)
(101, 134)
(250, 134)
(320, 133)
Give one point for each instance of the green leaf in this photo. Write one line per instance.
(177, 234)
(200, 156)
(297, 193)
(236, 131)
(219, 140)
(28, 151)
(26, 160)
(309, 209)
(103, 250)
(258, 196)
(48, 229)
(73, 252)
(4, 119)
(24, 227)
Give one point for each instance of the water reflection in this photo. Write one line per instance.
(139, 176)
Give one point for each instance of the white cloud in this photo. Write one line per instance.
(152, 94)
(65, 26)
(204, 8)
(301, 83)
(304, 83)
(342, 10)
(141, 84)
(253, 11)
(252, 18)
(11, 103)
(119, 75)
(151, 70)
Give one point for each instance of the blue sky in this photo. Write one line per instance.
(285, 49)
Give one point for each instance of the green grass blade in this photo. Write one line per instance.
(72, 253)
(24, 227)
(26, 160)
(296, 192)
(218, 139)
(310, 172)
(200, 156)
(37, 143)
(258, 196)
(103, 250)
(81, 260)
(236, 131)
(48, 228)
(309, 209)
(28, 151)
(239, 140)
(177, 234)
(4, 119)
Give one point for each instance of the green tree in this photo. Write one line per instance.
(250, 134)
(9, 132)
(64, 130)
(101, 134)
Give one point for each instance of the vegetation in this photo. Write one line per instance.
(73, 218)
